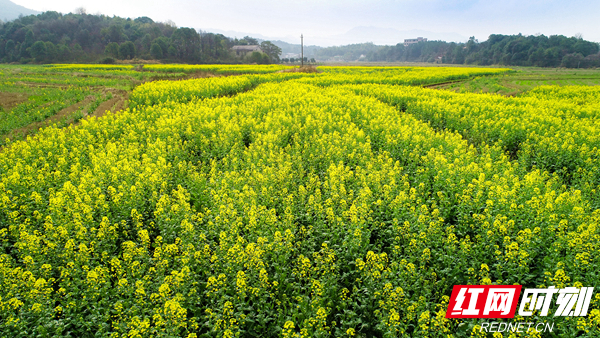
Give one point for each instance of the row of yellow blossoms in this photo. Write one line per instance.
(187, 90)
(290, 210)
(398, 75)
(218, 69)
(556, 129)
(165, 91)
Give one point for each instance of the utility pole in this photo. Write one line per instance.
(302, 48)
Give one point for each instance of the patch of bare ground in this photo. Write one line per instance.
(41, 85)
(138, 61)
(305, 69)
(122, 104)
(117, 103)
(202, 75)
(10, 100)
(442, 85)
(106, 106)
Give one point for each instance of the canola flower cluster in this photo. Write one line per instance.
(218, 69)
(399, 75)
(165, 92)
(551, 128)
(296, 209)
(194, 89)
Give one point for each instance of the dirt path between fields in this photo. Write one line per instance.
(117, 103)
(443, 84)
(10, 100)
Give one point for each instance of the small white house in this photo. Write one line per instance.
(408, 42)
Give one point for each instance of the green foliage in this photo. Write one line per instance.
(81, 37)
(163, 43)
(9, 50)
(187, 43)
(51, 52)
(112, 49)
(127, 50)
(144, 19)
(346, 53)
(39, 51)
(64, 53)
(114, 33)
(517, 50)
(258, 58)
(156, 51)
(172, 51)
(271, 50)
(108, 61)
(250, 41)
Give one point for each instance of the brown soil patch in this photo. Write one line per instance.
(10, 100)
(443, 84)
(305, 69)
(202, 75)
(106, 105)
(117, 103)
(41, 85)
(122, 104)
(137, 61)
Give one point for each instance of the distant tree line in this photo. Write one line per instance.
(510, 50)
(53, 37)
(347, 53)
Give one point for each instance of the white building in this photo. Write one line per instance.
(411, 41)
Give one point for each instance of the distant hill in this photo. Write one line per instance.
(10, 10)
(509, 50)
(53, 37)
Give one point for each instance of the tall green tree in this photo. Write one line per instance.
(114, 33)
(271, 50)
(51, 52)
(112, 49)
(163, 42)
(156, 51)
(187, 43)
(38, 51)
(127, 50)
(64, 53)
(9, 50)
(251, 41)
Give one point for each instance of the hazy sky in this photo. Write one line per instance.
(324, 20)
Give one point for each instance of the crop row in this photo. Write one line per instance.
(287, 210)
(217, 69)
(551, 128)
(187, 90)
